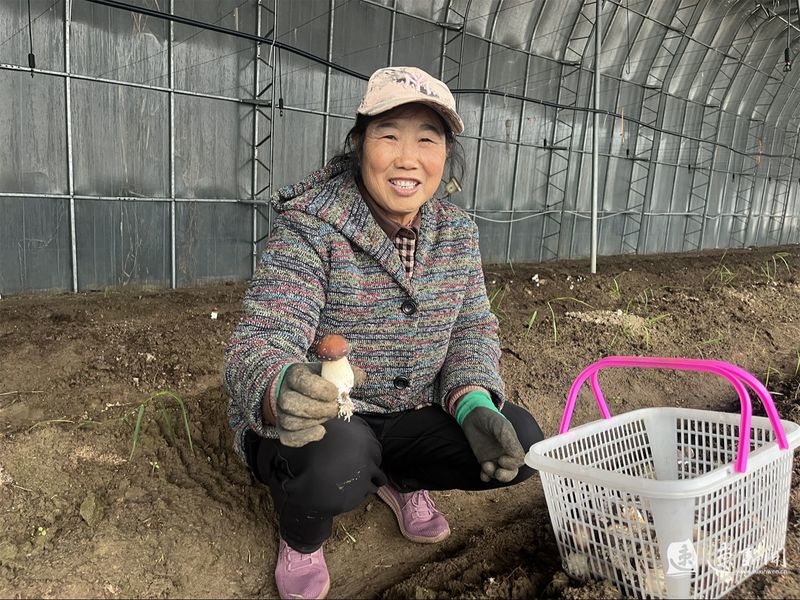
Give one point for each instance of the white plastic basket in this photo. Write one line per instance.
(669, 502)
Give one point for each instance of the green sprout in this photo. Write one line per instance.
(496, 299)
(769, 373)
(770, 268)
(553, 317)
(137, 428)
(532, 320)
(616, 292)
(721, 272)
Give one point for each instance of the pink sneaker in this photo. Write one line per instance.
(416, 514)
(299, 575)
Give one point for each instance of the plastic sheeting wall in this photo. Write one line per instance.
(136, 150)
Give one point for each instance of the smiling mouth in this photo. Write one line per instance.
(405, 184)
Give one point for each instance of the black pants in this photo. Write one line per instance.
(415, 449)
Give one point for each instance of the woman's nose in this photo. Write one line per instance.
(406, 156)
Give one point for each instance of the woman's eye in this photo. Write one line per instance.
(389, 136)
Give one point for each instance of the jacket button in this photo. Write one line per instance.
(409, 307)
(401, 383)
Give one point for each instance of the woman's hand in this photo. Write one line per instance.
(494, 443)
(305, 401)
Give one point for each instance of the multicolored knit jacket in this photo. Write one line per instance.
(328, 267)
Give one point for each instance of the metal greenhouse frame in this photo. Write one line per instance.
(126, 163)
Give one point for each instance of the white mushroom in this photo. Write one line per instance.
(577, 565)
(332, 351)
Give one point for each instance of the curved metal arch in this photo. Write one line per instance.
(689, 150)
(619, 76)
(700, 153)
(528, 12)
(789, 100)
(457, 37)
(709, 47)
(520, 125)
(771, 194)
(630, 166)
(705, 156)
(619, 11)
(796, 196)
(742, 204)
(608, 23)
(724, 37)
(560, 158)
(650, 108)
(694, 64)
(750, 100)
(718, 83)
(742, 45)
(632, 41)
(665, 63)
(486, 75)
(765, 97)
(705, 153)
(782, 124)
(582, 42)
(713, 121)
(696, 10)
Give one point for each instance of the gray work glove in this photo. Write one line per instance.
(305, 401)
(494, 443)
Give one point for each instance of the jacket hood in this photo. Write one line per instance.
(296, 196)
(332, 196)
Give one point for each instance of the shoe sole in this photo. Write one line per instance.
(323, 594)
(398, 513)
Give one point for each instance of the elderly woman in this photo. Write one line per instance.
(363, 248)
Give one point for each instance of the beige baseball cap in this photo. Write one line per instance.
(393, 86)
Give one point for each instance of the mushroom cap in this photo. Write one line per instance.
(332, 347)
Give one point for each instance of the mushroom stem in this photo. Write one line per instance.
(340, 374)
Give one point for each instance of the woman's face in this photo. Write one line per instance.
(403, 160)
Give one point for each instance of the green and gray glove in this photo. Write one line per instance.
(305, 401)
(491, 437)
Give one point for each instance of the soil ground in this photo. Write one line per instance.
(83, 516)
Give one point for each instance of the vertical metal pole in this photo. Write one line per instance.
(751, 191)
(769, 193)
(479, 156)
(444, 41)
(327, 109)
(172, 204)
(788, 15)
(70, 171)
(712, 161)
(391, 33)
(789, 194)
(673, 194)
(275, 62)
(596, 135)
(254, 172)
(516, 153)
(730, 183)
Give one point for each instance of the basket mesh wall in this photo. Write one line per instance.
(606, 531)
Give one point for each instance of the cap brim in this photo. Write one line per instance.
(449, 115)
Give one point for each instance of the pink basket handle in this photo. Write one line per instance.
(732, 373)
